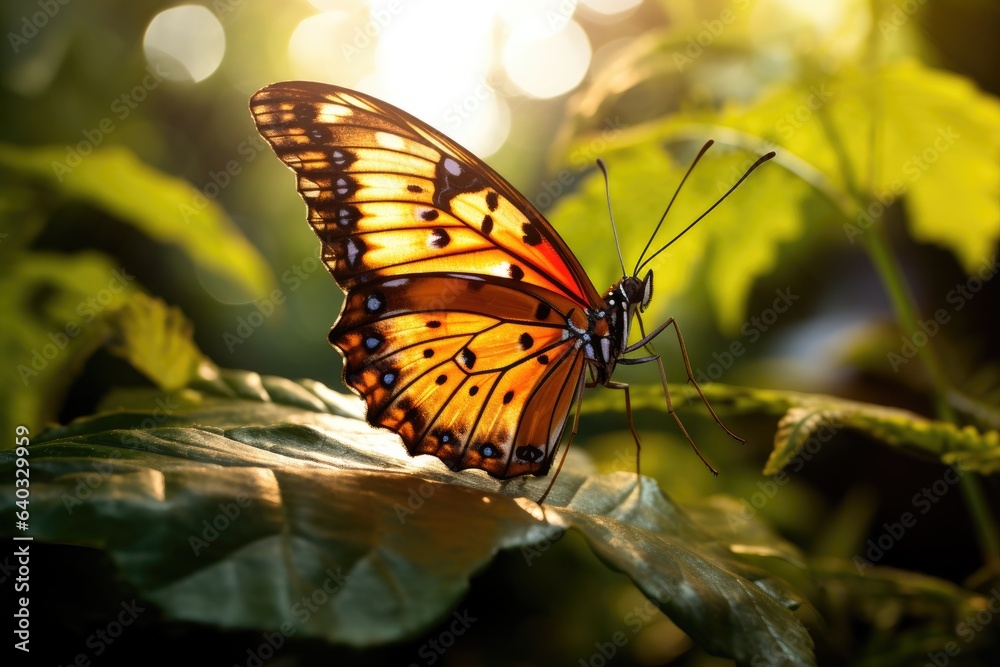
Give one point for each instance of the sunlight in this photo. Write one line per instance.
(419, 48)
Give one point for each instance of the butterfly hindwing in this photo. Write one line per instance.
(436, 362)
(388, 195)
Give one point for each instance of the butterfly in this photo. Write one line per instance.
(469, 328)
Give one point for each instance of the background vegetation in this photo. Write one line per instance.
(843, 301)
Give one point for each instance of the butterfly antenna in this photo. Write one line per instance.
(761, 160)
(708, 144)
(607, 194)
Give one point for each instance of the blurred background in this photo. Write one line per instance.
(127, 146)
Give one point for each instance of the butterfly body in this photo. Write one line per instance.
(468, 327)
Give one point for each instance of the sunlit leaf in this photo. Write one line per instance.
(168, 209)
(263, 492)
(903, 130)
(156, 339)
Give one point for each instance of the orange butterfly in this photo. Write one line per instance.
(469, 328)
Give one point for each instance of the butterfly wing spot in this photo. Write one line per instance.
(525, 341)
(515, 272)
(441, 379)
(373, 341)
(375, 303)
(452, 167)
(446, 445)
(508, 397)
(488, 451)
(487, 224)
(345, 187)
(428, 353)
(473, 390)
(429, 214)
(439, 238)
(433, 324)
(355, 248)
(492, 201)
(542, 311)
(531, 235)
(414, 188)
(528, 453)
(543, 359)
(345, 216)
(342, 158)
(388, 378)
(468, 358)
(320, 134)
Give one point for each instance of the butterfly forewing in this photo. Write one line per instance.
(458, 291)
(368, 171)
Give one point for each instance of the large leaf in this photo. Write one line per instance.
(262, 491)
(166, 208)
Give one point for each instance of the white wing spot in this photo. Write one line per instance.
(352, 252)
(452, 167)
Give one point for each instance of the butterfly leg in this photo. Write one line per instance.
(687, 366)
(611, 384)
(670, 407)
(580, 385)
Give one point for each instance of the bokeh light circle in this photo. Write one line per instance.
(185, 43)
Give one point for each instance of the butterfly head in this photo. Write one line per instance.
(637, 293)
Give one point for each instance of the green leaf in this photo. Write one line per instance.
(263, 491)
(818, 416)
(166, 208)
(899, 130)
(156, 339)
(55, 309)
